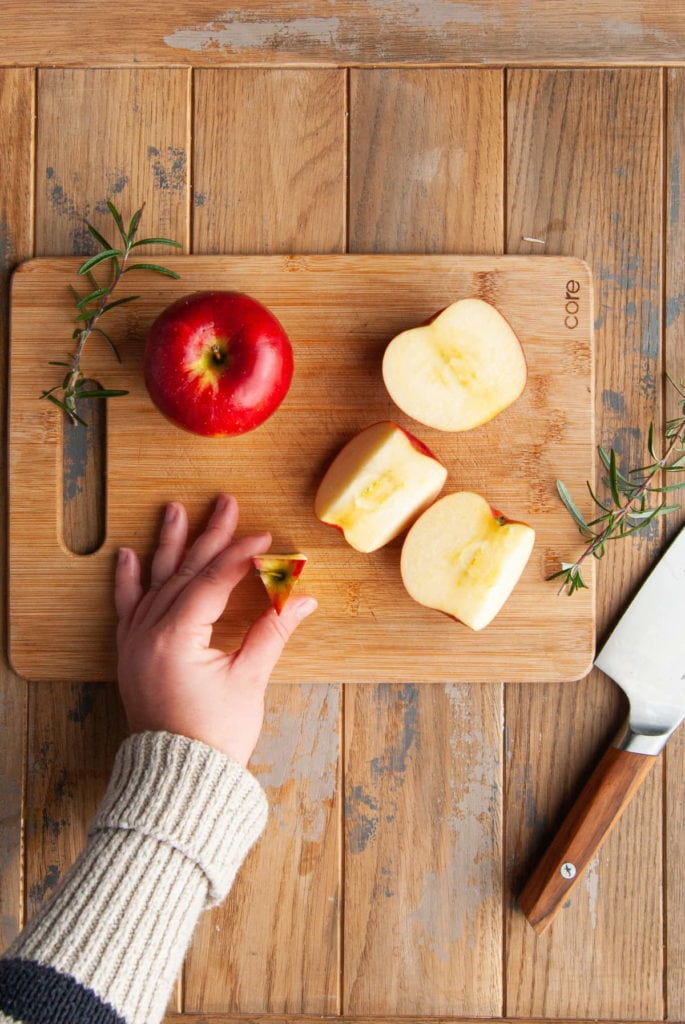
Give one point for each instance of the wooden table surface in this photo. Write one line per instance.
(404, 818)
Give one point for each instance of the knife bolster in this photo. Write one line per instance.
(643, 742)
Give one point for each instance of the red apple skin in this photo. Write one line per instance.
(417, 443)
(217, 363)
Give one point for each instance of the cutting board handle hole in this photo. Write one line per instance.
(84, 476)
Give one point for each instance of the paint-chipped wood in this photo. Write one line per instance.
(142, 158)
(674, 362)
(274, 946)
(584, 174)
(16, 129)
(74, 731)
(423, 813)
(344, 32)
(423, 799)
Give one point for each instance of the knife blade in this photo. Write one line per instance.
(645, 655)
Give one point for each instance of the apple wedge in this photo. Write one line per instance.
(377, 484)
(464, 558)
(458, 371)
(279, 574)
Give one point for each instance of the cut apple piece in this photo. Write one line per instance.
(279, 574)
(464, 558)
(377, 485)
(458, 371)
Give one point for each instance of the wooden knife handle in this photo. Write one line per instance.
(591, 819)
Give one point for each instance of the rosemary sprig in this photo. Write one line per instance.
(629, 505)
(92, 306)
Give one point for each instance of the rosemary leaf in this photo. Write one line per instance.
(570, 505)
(154, 267)
(118, 302)
(613, 478)
(133, 225)
(156, 241)
(102, 393)
(108, 254)
(115, 350)
(98, 237)
(118, 220)
(73, 415)
(97, 294)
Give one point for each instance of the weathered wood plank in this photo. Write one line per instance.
(17, 102)
(220, 1018)
(275, 942)
(674, 363)
(584, 176)
(426, 163)
(268, 155)
(423, 797)
(74, 730)
(343, 32)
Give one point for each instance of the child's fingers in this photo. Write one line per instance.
(268, 635)
(215, 538)
(172, 543)
(127, 588)
(204, 598)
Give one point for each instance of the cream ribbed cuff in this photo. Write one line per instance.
(176, 822)
(188, 796)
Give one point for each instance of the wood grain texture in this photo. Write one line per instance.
(388, 1018)
(423, 813)
(275, 945)
(17, 102)
(584, 175)
(342, 32)
(288, 167)
(340, 312)
(74, 732)
(423, 797)
(415, 173)
(674, 363)
(595, 813)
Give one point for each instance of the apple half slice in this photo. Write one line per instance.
(377, 484)
(465, 558)
(458, 371)
(279, 574)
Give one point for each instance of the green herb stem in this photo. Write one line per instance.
(74, 385)
(626, 511)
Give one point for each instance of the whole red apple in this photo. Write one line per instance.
(217, 363)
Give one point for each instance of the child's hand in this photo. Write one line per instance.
(169, 677)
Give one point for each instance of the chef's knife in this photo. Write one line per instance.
(645, 655)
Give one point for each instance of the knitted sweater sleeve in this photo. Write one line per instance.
(175, 825)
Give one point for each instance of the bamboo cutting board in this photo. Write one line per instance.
(339, 312)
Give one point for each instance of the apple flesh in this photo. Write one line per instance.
(377, 484)
(457, 371)
(217, 363)
(279, 574)
(464, 558)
